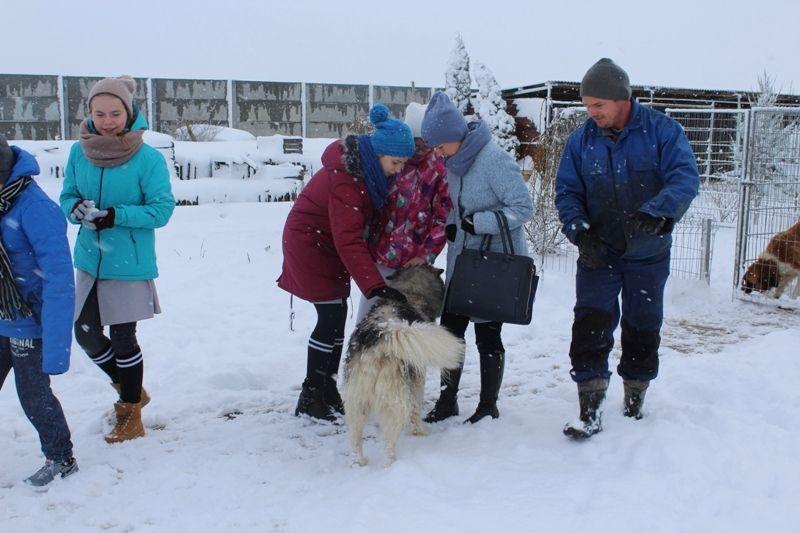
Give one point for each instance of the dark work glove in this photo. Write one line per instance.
(650, 224)
(6, 160)
(467, 225)
(591, 250)
(450, 230)
(102, 219)
(388, 293)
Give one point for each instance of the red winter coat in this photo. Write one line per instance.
(324, 236)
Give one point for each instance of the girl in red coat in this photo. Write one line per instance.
(324, 245)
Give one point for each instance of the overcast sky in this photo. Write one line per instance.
(682, 43)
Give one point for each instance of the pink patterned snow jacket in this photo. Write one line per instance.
(412, 222)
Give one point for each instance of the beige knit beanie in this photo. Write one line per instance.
(122, 87)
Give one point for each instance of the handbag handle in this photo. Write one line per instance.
(505, 235)
(505, 232)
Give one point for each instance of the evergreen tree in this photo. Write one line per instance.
(492, 108)
(457, 78)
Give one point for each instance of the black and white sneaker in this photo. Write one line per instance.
(51, 469)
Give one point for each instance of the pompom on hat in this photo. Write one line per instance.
(391, 136)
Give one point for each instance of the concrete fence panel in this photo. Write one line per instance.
(179, 102)
(267, 108)
(29, 107)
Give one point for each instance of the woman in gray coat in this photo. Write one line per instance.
(483, 178)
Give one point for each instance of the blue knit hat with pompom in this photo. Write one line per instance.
(391, 136)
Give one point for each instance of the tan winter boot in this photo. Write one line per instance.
(129, 423)
(145, 397)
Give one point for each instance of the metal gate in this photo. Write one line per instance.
(717, 138)
(770, 201)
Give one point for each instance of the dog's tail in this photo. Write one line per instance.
(422, 345)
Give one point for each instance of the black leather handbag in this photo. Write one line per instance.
(493, 286)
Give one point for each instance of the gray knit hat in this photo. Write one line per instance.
(606, 80)
(122, 87)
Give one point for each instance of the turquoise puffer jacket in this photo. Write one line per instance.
(140, 193)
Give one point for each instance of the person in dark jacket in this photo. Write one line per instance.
(117, 189)
(325, 244)
(37, 297)
(625, 179)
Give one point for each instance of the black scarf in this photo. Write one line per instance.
(10, 299)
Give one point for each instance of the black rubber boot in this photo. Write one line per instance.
(312, 403)
(590, 396)
(634, 397)
(332, 396)
(492, 365)
(447, 404)
(312, 396)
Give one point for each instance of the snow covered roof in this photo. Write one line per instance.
(568, 91)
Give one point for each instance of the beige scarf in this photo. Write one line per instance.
(112, 150)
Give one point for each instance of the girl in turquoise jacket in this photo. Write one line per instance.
(117, 188)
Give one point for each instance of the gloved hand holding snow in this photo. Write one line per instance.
(94, 213)
(99, 219)
(82, 209)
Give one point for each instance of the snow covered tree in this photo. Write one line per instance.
(456, 77)
(492, 108)
(770, 138)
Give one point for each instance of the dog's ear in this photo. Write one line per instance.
(439, 271)
(392, 276)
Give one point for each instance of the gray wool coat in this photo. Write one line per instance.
(493, 182)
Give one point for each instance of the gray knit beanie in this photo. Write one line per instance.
(122, 87)
(443, 122)
(606, 80)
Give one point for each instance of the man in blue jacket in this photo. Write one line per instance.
(37, 302)
(626, 177)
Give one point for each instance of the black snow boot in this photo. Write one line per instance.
(590, 396)
(492, 365)
(312, 403)
(447, 404)
(332, 396)
(634, 397)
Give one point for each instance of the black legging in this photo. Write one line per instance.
(119, 357)
(487, 334)
(325, 344)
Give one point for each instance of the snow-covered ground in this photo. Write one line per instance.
(717, 451)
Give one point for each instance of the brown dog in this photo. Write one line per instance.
(777, 266)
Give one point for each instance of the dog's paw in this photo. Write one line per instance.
(360, 461)
(420, 430)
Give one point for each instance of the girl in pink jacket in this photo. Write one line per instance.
(410, 228)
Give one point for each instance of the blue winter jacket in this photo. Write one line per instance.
(601, 184)
(34, 235)
(141, 195)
